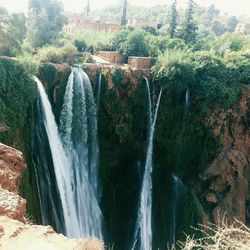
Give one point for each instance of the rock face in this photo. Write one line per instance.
(15, 232)
(15, 235)
(227, 179)
(11, 168)
(12, 205)
(123, 76)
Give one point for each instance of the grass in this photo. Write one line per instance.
(235, 236)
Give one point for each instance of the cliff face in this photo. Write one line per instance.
(226, 180)
(211, 158)
(15, 231)
(11, 168)
(123, 117)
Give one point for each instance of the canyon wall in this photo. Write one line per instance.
(212, 155)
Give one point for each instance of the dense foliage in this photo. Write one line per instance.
(213, 81)
(194, 52)
(17, 92)
(44, 22)
(12, 32)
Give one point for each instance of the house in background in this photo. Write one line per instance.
(78, 22)
(243, 28)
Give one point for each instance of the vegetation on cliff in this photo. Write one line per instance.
(17, 92)
(206, 60)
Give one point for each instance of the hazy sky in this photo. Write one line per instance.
(233, 7)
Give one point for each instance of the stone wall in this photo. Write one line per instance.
(112, 56)
(139, 62)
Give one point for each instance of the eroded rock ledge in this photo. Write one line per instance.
(227, 179)
(15, 231)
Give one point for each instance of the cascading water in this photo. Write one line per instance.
(75, 157)
(61, 164)
(49, 197)
(79, 132)
(183, 129)
(99, 91)
(177, 192)
(178, 186)
(143, 234)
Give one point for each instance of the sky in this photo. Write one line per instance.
(232, 7)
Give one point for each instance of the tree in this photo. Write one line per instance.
(119, 38)
(35, 5)
(124, 13)
(87, 9)
(231, 23)
(212, 11)
(218, 28)
(45, 21)
(173, 19)
(189, 30)
(136, 44)
(12, 32)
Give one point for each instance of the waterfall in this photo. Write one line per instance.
(177, 192)
(61, 164)
(143, 232)
(177, 183)
(50, 205)
(78, 123)
(74, 153)
(183, 129)
(99, 91)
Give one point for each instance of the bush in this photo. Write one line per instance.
(212, 85)
(225, 236)
(57, 55)
(239, 65)
(87, 58)
(136, 44)
(229, 42)
(159, 44)
(92, 40)
(117, 76)
(81, 45)
(174, 69)
(205, 74)
(119, 39)
(17, 92)
(29, 63)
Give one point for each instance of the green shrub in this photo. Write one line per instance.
(17, 92)
(159, 44)
(29, 63)
(174, 69)
(57, 55)
(117, 75)
(212, 85)
(50, 54)
(119, 39)
(81, 45)
(205, 74)
(136, 44)
(92, 40)
(229, 42)
(239, 65)
(68, 52)
(87, 58)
